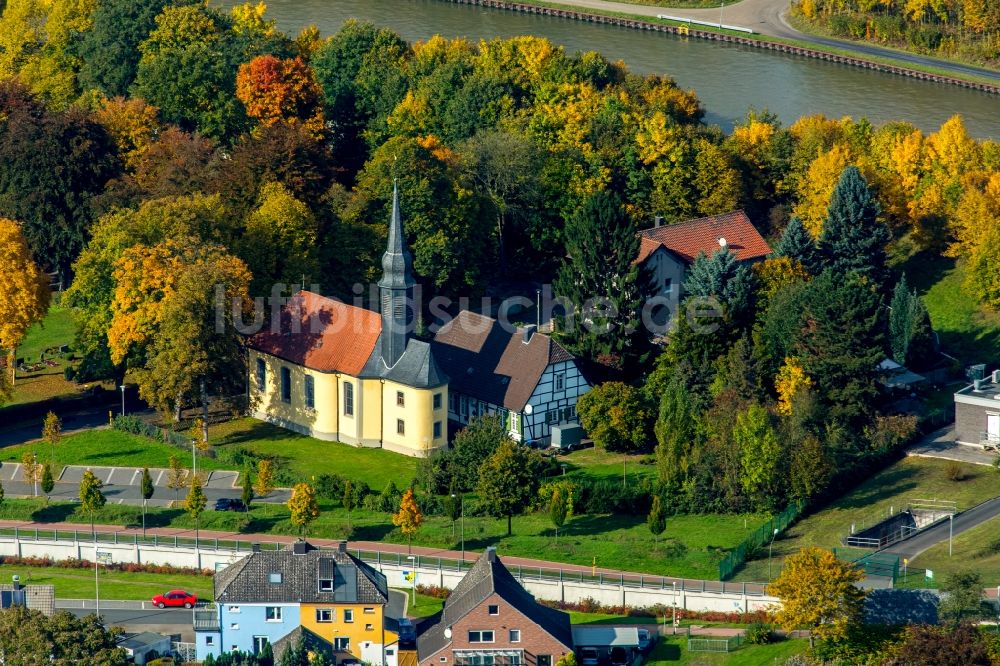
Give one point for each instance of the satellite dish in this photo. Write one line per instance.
(447, 632)
(527, 409)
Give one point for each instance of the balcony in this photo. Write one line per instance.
(206, 620)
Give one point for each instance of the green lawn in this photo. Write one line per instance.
(977, 550)
(425, 606)
(79, 583)
(593, 462)
(105, 448)
(304, 457)
(910, 478)
(967, 332)
(673, 650)
(56, 329)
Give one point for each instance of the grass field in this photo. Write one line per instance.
(975, 550)
(56, 329)
(910, 478)
(966, 331)
(79, 583)
(305, 457)
(673, 650)
(105, 447)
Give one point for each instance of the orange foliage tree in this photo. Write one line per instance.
(275, 90)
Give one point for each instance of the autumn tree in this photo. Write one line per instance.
(263, 484)
(29, 636)
(52, 428)
(508, 480)
(24, 295)
(195, 502)
(30, 469)
(816, 188)
(409, 518)
(558, 509)
(961, 645)
(789, 382)
(302, 506)
(280, 90)
(92, 499)
(819, 592)
(176, 475)
(656, 520)
(615, 417)
(280, 241)
(133, 126)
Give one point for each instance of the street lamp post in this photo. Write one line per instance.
(34, 472)
(769, 546)
(721, 7)
(951, 525)
(413, 583)
(675, 607)
(122, 387)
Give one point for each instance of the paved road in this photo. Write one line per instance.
(941, 444)
(30, 430)
(768, 17)
(921, 541)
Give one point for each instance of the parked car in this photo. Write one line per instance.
(589, 656)
(175, 599)
(227, 504)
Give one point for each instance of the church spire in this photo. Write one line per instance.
(396, 288)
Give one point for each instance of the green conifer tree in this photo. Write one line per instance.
(853, 238)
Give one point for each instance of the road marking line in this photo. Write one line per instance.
(136, 473)
(159, 477)
(110, 474)
(14, 473)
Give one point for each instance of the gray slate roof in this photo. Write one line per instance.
(489, 575)
(249, 580)
(416, 367)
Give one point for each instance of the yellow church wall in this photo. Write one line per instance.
(320, 421)
(365, 627)
(372, 426)
(417, 415)
(350, 424)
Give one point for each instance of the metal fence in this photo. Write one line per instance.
(714, 644)
(735, 558)
(425, 563)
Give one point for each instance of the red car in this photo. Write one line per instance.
(175, 599)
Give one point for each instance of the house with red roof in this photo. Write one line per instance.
(667, 251)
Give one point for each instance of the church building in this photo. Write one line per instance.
(343, 373)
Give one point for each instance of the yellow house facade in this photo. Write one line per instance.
(356, 629)
(339, 372)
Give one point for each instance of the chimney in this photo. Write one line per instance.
(300, 548)
(342, 547)
(16, 581)
(657, 221)
(527, 333)
(491, 554)
(977, 384)
(996, 376)
(255, 547)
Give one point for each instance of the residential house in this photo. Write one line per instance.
(490, 620)
(41, 598)
(525, 377)
(667, 251)
(344, 373)
(271, 597)
(977, 412)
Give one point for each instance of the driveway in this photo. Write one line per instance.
(941, 444)
(921, 541)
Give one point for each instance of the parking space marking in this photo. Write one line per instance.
(135, 474)
(159, 477)
(13, 474)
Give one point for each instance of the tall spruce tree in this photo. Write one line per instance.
(600, 277)
(723, 277)
(911, 338)
(797, 243)
(840, 342)
(853, 238)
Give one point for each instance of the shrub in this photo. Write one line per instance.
(954, 471)
(330, 486)
(759, 633)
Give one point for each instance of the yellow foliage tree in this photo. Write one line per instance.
(778, 272)
(791, 379)
(24, 295)
(263, 484)
(818, 591)
(302, 506)
(817, 187)
(408, 519)
(132, 124)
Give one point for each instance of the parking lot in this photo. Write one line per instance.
(122, 485)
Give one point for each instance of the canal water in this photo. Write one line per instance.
(728, 79)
